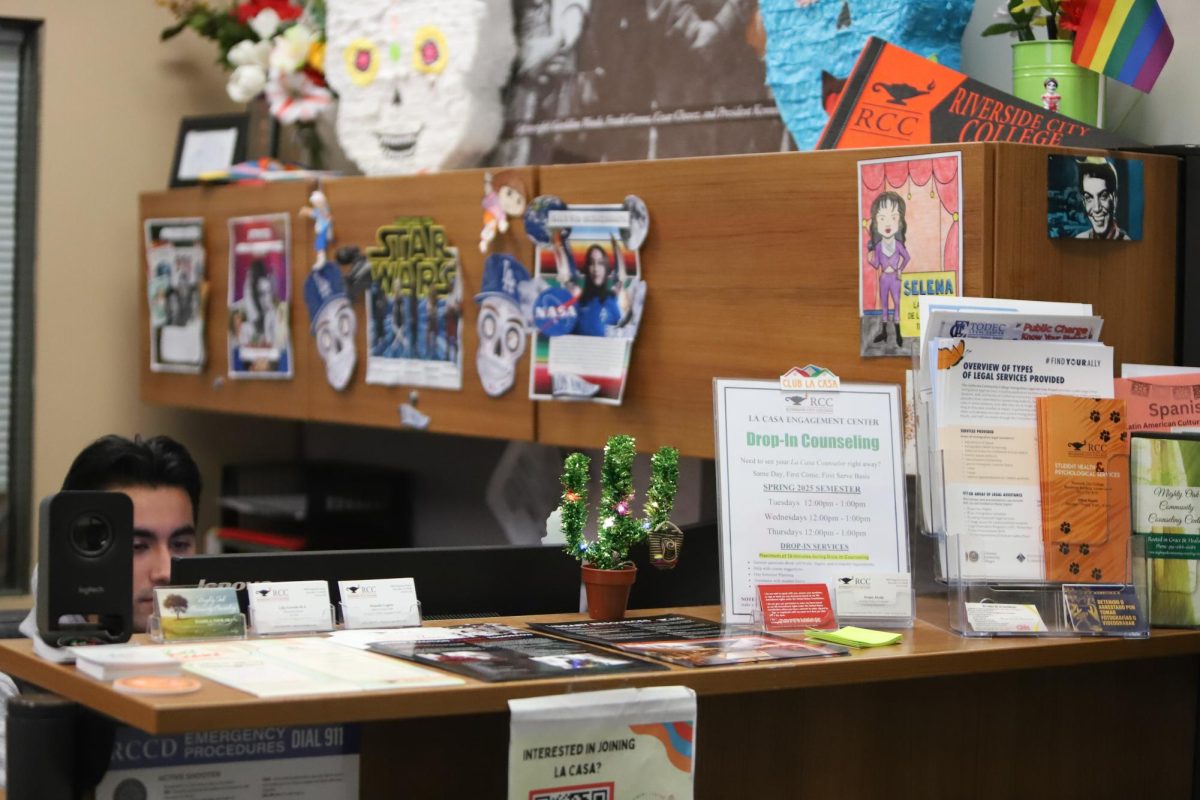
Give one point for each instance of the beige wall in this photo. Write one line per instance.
(112, 98)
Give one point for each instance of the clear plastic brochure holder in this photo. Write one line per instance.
(899, 599)
(414, 619)
(980, 608)
(927, 458)
(189, 626)
(321, 628)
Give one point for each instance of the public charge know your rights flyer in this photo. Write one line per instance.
(811, 485)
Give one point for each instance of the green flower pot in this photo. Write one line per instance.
(1036, 62)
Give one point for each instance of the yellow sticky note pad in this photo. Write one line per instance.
(855, 637)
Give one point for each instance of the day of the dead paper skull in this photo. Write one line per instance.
(333, 323)
(335, 342)
(502, 323)
(418, 81)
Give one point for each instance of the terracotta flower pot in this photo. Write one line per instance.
(608, 591)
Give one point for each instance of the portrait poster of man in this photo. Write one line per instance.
(638, 79)
(175, 289)
(1096, 197)
(910, 245)
(260, 293)
(414, 307)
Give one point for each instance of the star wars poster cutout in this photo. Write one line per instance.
(1094, 198)
(590, 297)
(260, 293)
(177, 291)
(910, 244)
(414, 307)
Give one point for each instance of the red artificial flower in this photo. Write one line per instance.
(1070, 14)
(250, 9)
(314, 75)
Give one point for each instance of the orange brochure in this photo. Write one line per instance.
(1083, 457)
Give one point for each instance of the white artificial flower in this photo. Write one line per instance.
(246, 82)
(248, 53)
(265, 23)
(294, 97)
(290, 49)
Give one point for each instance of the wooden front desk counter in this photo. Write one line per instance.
(935, 716)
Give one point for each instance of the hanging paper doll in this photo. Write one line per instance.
(503, 197)
(322, 217)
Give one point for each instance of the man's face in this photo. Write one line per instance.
(162, 527)
(1099, 203)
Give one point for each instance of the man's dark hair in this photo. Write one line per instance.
(114, 462)
(1097, 169)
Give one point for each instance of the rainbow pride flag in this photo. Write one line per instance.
(1124, 39)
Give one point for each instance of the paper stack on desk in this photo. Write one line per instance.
(109, 662)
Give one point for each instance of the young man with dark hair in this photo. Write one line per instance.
(162, 480)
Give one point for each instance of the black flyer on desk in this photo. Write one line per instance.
(501, 653)
(688, 641)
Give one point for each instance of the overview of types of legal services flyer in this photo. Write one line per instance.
(811, 486)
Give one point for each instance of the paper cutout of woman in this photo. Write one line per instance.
(887, 254)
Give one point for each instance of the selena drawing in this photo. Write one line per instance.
(910, 245)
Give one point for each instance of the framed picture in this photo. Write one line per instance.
(208, 144)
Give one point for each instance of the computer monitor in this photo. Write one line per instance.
(450, 581)
(508, 580)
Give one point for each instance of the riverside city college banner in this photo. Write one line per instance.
(810, 486)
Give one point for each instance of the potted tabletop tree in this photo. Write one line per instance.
(607, 571)
(1043, 72)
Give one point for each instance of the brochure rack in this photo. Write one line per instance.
(969, 597)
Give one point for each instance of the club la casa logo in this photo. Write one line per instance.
(809, 379)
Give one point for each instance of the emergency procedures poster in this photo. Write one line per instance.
(811, 487)
(315, 762)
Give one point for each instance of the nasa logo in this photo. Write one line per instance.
(554, 312)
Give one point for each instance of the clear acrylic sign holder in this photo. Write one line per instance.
(732, 400)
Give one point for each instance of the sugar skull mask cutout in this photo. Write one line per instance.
(503, 322)
(333, 323)
(418, 80)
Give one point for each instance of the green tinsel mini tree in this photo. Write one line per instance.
(618, 530)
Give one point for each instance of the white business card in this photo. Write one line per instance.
(1004, 618)
(289, 607)
(380, 603)
(877, 595)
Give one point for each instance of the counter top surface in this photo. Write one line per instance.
(930, 649)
